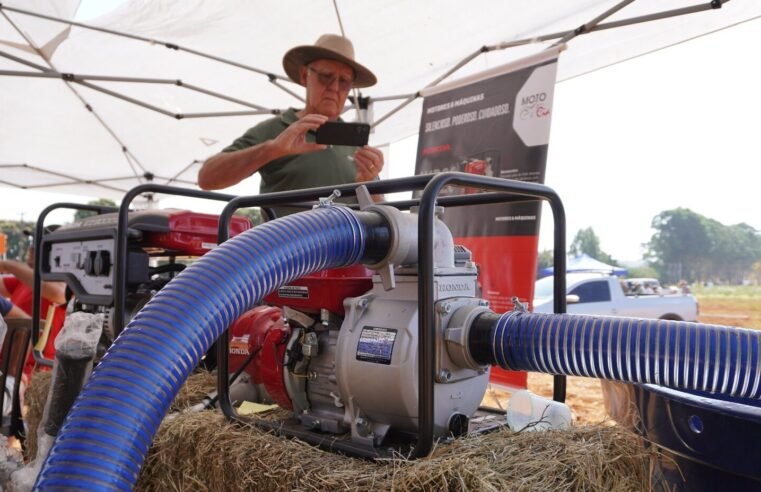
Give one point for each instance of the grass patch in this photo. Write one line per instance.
(731, 305)
(728, 291)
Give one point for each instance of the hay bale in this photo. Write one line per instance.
(203, 452)
(196, 387)
(218, 456)
(34, 404)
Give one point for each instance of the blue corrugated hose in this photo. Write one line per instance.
(676, 354)
(108, 431)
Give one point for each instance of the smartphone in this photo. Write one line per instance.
(340, 133)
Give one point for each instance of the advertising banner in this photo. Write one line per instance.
(496, 123)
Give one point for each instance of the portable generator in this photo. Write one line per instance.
(83, 254)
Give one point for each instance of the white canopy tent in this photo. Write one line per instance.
(98, 111)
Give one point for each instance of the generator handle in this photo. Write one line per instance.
(39, 230)
(120, 260)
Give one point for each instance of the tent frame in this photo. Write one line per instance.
(144, 176)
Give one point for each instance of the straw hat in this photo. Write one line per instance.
(330, 47)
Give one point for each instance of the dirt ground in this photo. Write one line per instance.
(583, 396)
(745, 312)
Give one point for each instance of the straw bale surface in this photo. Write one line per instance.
(193, 391)
(34, 404)
(202, 452)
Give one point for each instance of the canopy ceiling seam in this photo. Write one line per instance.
(79, 96)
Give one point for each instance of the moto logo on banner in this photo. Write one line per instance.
(496, 123)
(534, 103)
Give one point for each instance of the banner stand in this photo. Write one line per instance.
(494, 123)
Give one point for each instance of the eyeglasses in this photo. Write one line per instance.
(326, 79)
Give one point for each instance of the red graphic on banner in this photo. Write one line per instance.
(510, 272)
(496, 126)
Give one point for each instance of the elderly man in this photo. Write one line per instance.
(278, 148)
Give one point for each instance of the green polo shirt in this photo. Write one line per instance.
(331, 166)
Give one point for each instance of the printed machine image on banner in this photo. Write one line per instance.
(498, 126)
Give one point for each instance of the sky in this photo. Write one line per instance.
(676, 128)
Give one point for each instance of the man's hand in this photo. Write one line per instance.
(369, 162)
(293, 139)
(229, 168)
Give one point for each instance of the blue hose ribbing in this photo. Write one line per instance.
(675, 354)
(107, 433)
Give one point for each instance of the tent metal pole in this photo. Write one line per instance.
(72, 77)
(21, 73)
(446, 74)
(82, 80)
(395, 110)
(78, 181)
(393, 98)
(124, 98)
(286, 90)
(585, 27)
(72, 179)
(141, 38)
(155, 177)
(225, 113)
(52, 74)
(592, 26)
(220, 96)
(25, 62)
(354, 91)
(613, 24)
(174, 178)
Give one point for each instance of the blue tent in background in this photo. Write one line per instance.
(585, 263)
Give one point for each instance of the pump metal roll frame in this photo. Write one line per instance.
(497, 190)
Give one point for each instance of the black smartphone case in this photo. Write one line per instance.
(339, 133)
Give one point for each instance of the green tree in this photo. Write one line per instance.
(643, 271)
(690, 246)
(545, 259)
(734, 250)
(680, 246)
(253, 214)
(586, 241)
(105, 202)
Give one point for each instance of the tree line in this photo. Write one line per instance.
(685, 246)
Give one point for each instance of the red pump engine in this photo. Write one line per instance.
(262, 334)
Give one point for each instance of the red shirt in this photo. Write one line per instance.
(21, 296)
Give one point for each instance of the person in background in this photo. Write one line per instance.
(10, 310)
(16, 284)
(278, 148)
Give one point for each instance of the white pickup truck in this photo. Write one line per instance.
(600, 294)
